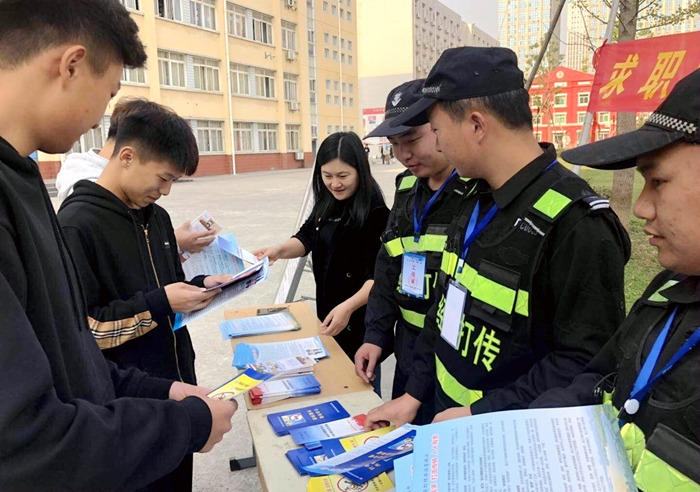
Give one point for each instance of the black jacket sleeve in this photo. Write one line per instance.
(580, 289)
(307, 234)
(370, 246)
(119, 320)
(49, 443)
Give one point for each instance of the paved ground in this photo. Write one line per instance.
(260, 209)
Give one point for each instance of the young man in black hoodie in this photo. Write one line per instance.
(124, 249)
(70, 420)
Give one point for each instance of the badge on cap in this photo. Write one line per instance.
(396, 99)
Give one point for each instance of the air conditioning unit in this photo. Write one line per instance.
(291, 55)
(294, 105)
(291, 4)
(299, 156)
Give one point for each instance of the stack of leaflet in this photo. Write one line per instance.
(284, 422)
(285, 368)
(280, 389)
(259, 325)
(251, 353)
(242, 382)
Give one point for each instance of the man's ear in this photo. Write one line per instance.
(478, 125)
(73, 62)
(127, 156)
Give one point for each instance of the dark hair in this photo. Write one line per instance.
(128, 105)
(159, 135)
(512, 108)
(104, 27)
(347, 147)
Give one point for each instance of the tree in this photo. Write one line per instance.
(646, 14)
(552, 59)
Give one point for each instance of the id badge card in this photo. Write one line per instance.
(455, 301)
(413, 274)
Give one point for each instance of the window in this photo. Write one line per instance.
(326, 53)
(172, 69)
(335, 85)
(240, 79)
(349, 59)
(289, 36)
(342, 43)
(206, 74)
(352, 88)
(344, 86)
(538, 136)
(336, 100)
(334, 10)
(328, 84)
(342, 58)
(203, 13)
(169, 9)
(335, 40)
(328, 98)
(580, 117)
(326, 37)
(352, 102)
(560, 118)
(325, 6)
(583, 98)
(537, 119)
(560, 99)
(134, 75)
(604, 117)
(243, 137)
(293, 137)
(210, 136)
(558, 139)
(342, 14)
(267, 136)
(264, 83)
(131, 4)
(290, 87)
(329, 129)
(312, 91)
(536, 101)
(345, 101)
(93, 139)
(349, 17)
(260, 29)
(349, 45)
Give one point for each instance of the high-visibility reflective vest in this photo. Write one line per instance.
(399, 238)
(494, 344)
(663, 438)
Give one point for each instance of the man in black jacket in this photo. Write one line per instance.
(649, 370)
(124, 249)
(70, 420)
(531, 283)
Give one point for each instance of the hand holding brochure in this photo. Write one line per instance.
(259, 325)
(204, 223)
(250, 353)
(242, 382)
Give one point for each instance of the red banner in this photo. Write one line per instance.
(638, 75)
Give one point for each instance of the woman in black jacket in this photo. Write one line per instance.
(342, 235)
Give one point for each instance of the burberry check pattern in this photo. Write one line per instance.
(672, 123)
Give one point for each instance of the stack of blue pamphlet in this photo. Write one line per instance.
(280, 389)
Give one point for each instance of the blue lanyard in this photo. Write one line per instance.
(473, 230)
(645, 381)
(418, 223)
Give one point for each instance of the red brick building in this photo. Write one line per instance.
(558, 101)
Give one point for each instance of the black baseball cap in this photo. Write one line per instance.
(464, 73)
(399, 100)
(676, 119)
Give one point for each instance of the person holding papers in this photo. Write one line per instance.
(531, 282)
(124, 249)
(429, 194)
(650, 369)
(342, 235)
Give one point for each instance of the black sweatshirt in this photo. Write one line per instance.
(64, 421)
(125, 259)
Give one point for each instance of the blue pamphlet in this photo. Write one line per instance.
(283, 422)
(302, 457)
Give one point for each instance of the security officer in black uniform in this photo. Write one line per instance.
(531, 282)
(650, 369)
(429, 194)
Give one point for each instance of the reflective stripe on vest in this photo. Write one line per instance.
(407, 182)
(453, 388)
(413, 318)
(657, 297)
(551, 203)
(651, 473)
(428, 243)
(485, 289)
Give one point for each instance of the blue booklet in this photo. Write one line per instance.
(283, 422)
(285, 388)
(302, 457)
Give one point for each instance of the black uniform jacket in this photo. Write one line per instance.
(63, 423)
(125, 259)
(343, 260)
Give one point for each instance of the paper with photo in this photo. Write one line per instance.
(203, 223)
(250, 353)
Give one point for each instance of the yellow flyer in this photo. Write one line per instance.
(243, 382)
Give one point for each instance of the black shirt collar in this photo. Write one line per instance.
(686, 291)
(522, 179)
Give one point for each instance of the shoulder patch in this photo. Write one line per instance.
(596, 202)
(406, 183)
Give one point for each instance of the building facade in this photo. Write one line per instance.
(524, 23)
(244, 74)
(559, 100)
